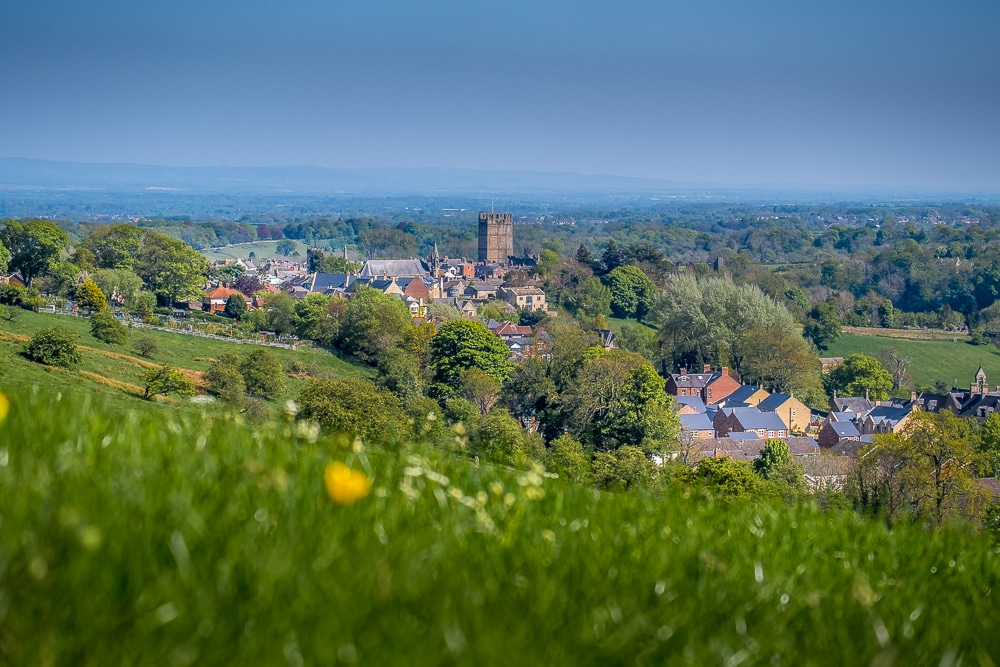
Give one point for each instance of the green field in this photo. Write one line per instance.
(127, 538)
(262, 249)
(121, 367)
(954, 362)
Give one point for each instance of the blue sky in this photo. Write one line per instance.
(872, 93)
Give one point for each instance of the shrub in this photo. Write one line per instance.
(165, 380)
(226, 381)
(55, 346)
(351, 405)
(90, 297)
(146, 346)
(262, 373)
(105, 327)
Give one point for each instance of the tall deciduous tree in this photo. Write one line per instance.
(90, 297)
(115, 246)
(34, 246)
(171, 268)
(373, 323)
(632, 292)
(859, 375)
(463, 344)
(350, 405)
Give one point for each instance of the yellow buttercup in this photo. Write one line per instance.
(345, 486)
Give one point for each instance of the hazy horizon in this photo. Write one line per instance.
(850, 95)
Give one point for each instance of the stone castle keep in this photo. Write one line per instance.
(496, 237)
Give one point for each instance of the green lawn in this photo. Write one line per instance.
(130, 538)
(955, 363)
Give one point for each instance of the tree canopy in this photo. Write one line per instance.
(34, 246)
(462, 344)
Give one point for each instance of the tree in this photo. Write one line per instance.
(625, 469)
(584, 256)
(567, 458)
(280, 310)
(480, 389)
(823, 324)
(285, 247)
(146, 346)
(262, 373)
(726, 477)
(642, 416)
(320, 263)
(4, 255)
(859, 375)
(105, 327)
(55, 346)
(226, 381)
(462, 344)
(248, 285)
(546, 262)
(90, 297)
(236, 306)
(776, 356)
(227, 273)
(373, 323)
(417, 343)
(165, 380)
(170, 268)
(499, 438)
(34, 246)
(119, 285)
(777, 465)
(351, 405)
(143, 305)
(115, 246)
(632, 292)
(400, 373)
(319, 317)
(928, 470)
(989, 445)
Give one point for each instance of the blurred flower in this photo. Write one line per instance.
(4, 407)
(345, 486)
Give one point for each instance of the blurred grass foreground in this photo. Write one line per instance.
(128, 537)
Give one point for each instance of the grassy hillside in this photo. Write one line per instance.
(125, 538)
(263, 249)
(953, 362)
(117, 370)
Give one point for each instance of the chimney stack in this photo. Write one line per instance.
(708, 368)
(725, 371)
(684, 371)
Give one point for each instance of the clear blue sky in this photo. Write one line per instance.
(852, 92)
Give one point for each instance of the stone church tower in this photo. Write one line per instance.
(496, 237)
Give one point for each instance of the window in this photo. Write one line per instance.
(770, 434)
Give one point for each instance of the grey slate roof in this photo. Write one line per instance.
(742, 394)
(845, 429)
(856, 404)
(698, 422)
(399, 268)
(750, 435)
(692, 401)
(772, 402)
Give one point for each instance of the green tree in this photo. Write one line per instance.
(115, 246)
(822, 325)
(90, 297)
(400, 373)
(170, 268)
(319, 317)
(236, 306)
(499, 438)
(225, 380)
(146, 346)
(480, 389)
(859, 375)
(54, 346)
(642, 416)
(351, 405)
(624, 469)
(989, 445)
(373, 323)
(34, 246)
(262, 373)
(105, 326)
(547, 261)
(632, 292)
(280, 311)
(777, 465)
(726, 477)
(285, 247)
(165, 379)
(119, 285)
(143, 305)
(567, 458)
(463, 344)
(4, 256)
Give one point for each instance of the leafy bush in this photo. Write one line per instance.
(105, 327)
(146, 346)
(165, 380)
(262, 373)
(55, 346)
(351, 405)
(226, 381)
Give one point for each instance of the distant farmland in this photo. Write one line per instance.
(953, 362)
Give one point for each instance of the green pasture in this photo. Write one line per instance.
(954, 362)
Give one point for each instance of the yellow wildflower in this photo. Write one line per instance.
(4, 407)
(345, 486)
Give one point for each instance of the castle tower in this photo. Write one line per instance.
(496, 237)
